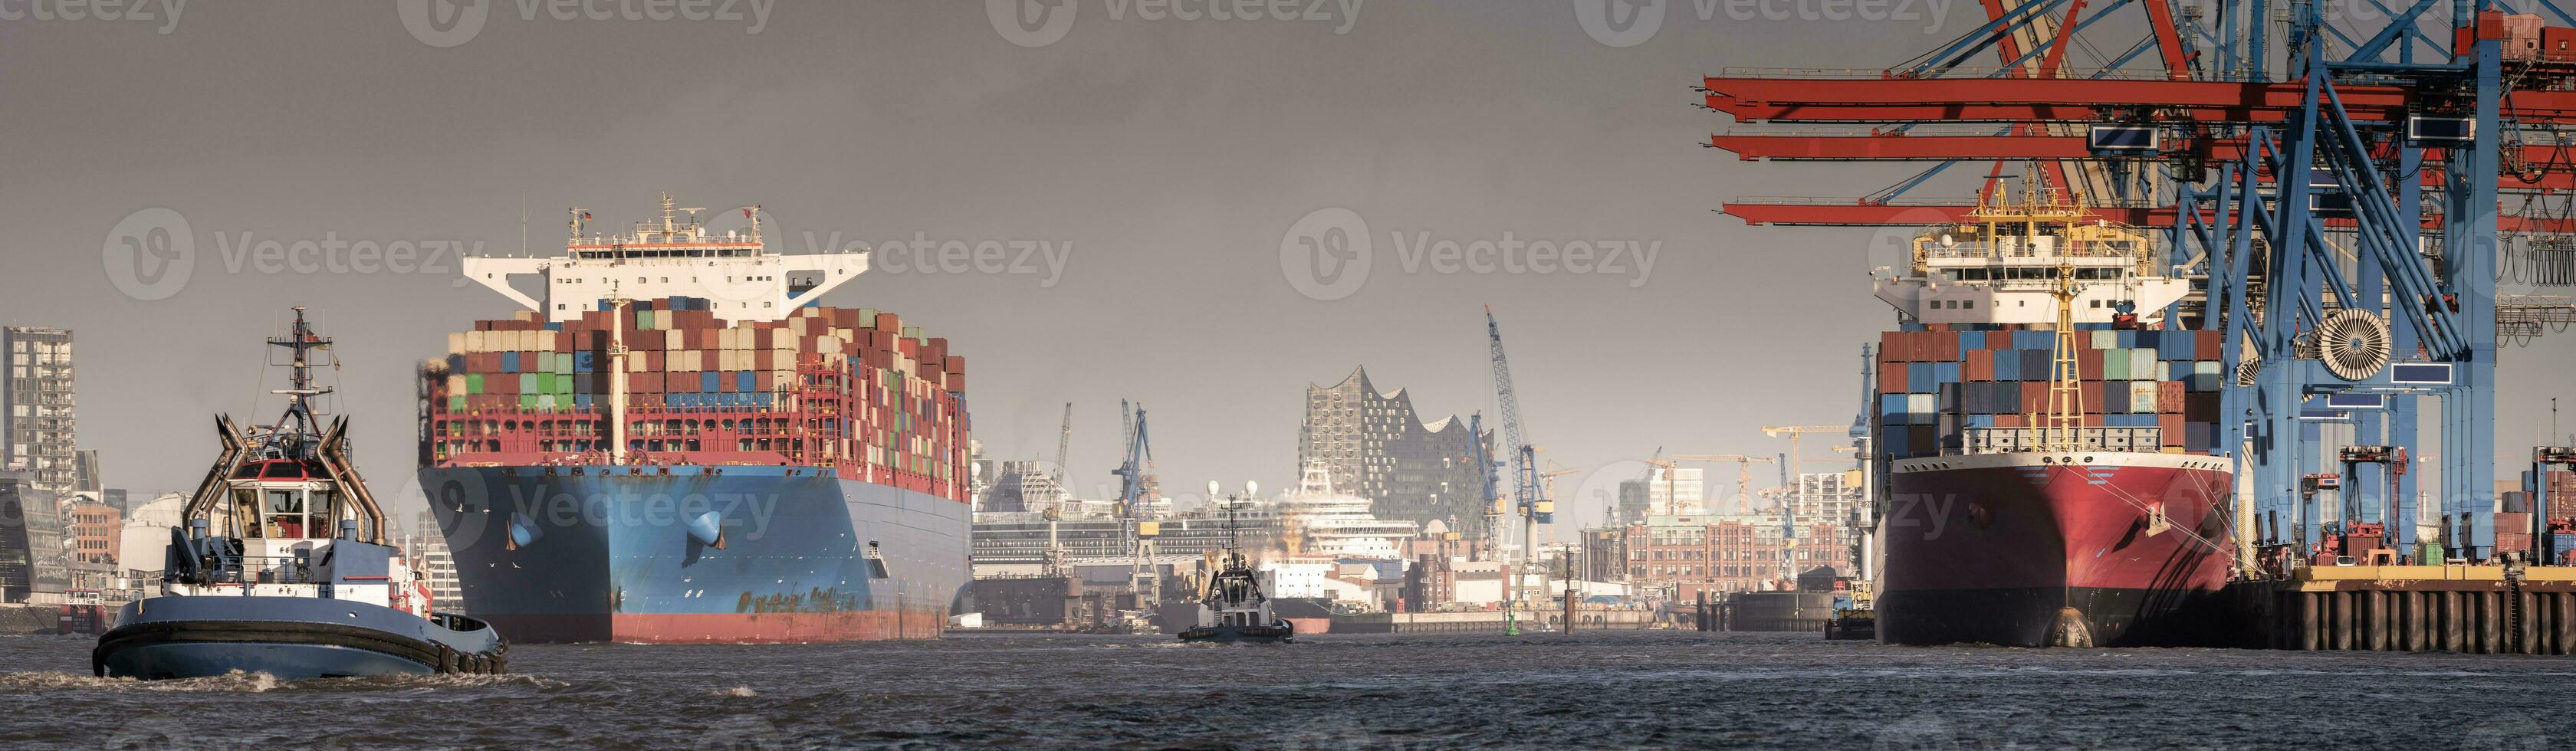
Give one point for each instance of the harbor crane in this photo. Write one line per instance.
(1526, 500)
(1063, 451)
(1135, 486)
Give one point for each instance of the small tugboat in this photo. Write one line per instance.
(282, 567)
(1232, 607)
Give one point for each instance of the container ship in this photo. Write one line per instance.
(674, 443)
(2050, 427)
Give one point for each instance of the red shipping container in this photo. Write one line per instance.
(1891, 347)
(2170, 397)
(2010, 421)
(889, 323)
(1980, 366)
(957, 382)
(2034, 397)
(956, 364)
(2171, 426)
(1891, 378)
(1944, 346)
(2208, 344)
(763, 359)
(2092, 391)
(2088, 364)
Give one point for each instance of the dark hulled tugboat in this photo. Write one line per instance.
(1232, 607)
(281, 567)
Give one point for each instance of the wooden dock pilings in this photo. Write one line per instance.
(2470, 609)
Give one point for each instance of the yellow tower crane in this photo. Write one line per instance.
(1743, 471)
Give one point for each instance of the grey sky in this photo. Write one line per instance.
(1171, 155)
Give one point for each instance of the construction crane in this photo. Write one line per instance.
(1743, 471)
(1063, 451)
(1550, 476)
(1794, 432)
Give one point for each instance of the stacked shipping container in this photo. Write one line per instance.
(850, 389)
(1934, 382)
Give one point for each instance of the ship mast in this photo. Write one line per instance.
(299, 432)
(617, 375)
(2065, 399)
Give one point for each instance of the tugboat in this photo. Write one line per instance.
(1232, 607)
(282, 567)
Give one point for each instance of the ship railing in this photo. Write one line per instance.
(2112, 74)
(1974, 441)
(274, 569)
(2029, 252)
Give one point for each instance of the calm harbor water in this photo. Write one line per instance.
(1600, 690)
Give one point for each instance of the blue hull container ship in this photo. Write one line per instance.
(675, 444)
(282, 569)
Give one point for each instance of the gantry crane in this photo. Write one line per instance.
(2333, 179)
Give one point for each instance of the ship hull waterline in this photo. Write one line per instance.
(613, 556)
(2088, 549)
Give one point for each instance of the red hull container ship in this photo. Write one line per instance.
(2051, 433)
(675, 444)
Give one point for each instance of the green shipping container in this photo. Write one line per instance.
(474, 383)
(456, 404)
(527, 401)
(2115, 364)
(528, 385)
(563, 363)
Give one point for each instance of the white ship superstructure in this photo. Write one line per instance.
(1332, 524)
(2000, 266)
(676, 256)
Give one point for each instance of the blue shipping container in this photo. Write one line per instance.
(584, 361)
(2007, 366)
(707, 382)
(742, 381)
(1891, 409)
(509, 362)
(1918, 377)
(1945, 372)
